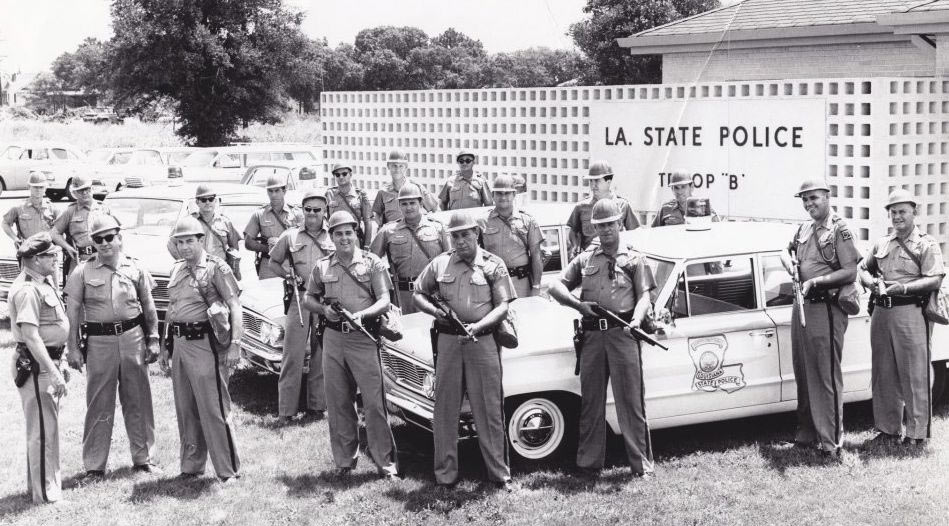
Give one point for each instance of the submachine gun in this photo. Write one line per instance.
(796, 286)
(635, 332)
(349, 318)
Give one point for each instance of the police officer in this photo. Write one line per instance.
(200, 364)
(268, 222)
(674, 211)
(476, 286)
(514, 236)
(74, 223)
(410, 243)
(615, 277)
(345, 196)
(34, 215)
(301, 248)
(221, 239)
(121, 328)
(828, 260)
(600, 178)
(357, 281)
(907, 265)
(465, 189)
(386, 206)
(39, 326)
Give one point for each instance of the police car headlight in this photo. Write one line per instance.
(428, 385)
(271, 334)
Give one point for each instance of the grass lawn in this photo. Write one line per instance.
(727, 473)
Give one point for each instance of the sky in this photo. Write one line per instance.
(34, 32)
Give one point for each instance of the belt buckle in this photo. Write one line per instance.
(887, 302)
(176, 330)
(411, 285)
(604, 324)
(117, 327)
(346, 327)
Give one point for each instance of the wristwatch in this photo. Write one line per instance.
(238, 342)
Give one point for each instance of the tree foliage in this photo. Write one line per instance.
(87, 68)
(611, 19)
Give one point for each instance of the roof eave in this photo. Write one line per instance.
(916, 22)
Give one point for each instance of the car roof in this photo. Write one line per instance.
(719, 239)
(546, 214)
(43, 144)
(186, 191)
(281, 164)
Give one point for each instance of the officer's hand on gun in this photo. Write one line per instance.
(586, 308)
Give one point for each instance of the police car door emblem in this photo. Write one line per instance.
(711, 373)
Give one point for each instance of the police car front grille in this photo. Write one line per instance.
(252, 323)
(408, 373)
(9, 270)
(160, 293)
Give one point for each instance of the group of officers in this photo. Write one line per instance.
(346, 264)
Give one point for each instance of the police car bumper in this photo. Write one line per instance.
(260, 355)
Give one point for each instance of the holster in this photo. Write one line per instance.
(577, 344)
(169, 340)
(433, 334)
(259, 256)
(83, 341)
(287, 295)
(26, 366)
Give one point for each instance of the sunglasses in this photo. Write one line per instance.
(100, 239)
(207, 199)
(465, 161)
(275, 190)
(341, 174)
(312, 209)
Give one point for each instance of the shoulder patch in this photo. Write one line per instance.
(845, 233)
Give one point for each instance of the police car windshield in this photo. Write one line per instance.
(200, 158)
(259, 175)
(152, 217)
(661, 270)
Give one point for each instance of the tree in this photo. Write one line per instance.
(223, 63)
(384, 54)
(611, 19)
(533, 67)
(453, 60)
(86, 69)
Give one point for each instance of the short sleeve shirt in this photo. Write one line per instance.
(616, 283)
(579, 220)
(328, 280)
(670, 213)
(109, 294)
(75, 221)
(214, 278)
(31, 220)
(893, 262)
(824, 248)
(506, 237)
(306, 249)
(34, 301)
(267, 222)
(386, 205)
(355, 202)
(460, 192)
(473, 289)
(407, 257)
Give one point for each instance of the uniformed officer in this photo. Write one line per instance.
(220, 236)
(476, 286)
(410, 243)
(828, 260)
(200, 364)
(74, 223)
(465, 189)
(674, 211)
(301, 247)
(386, 208)
(357, 281)
(34, 215)
(121, 326)
(600, 178)
(514, 236)
(268, 222)
(345, 196)
(907, 265)
(39, 326)
(615, 277)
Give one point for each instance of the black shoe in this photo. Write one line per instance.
(918, 442)
(507, 485)
(189, 476)
(649, 475)
(341, 473)
(91, 476)
(587, 473)
(315, 414)
(230, 480)
(447, 487)
(885, 438)
(148, 468)
(830, 454)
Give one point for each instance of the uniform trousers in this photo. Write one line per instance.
(406, 302)
(522, 286)
(815, 356)
(350, 361)
(296, 345)
(41, 410)
(474, 368)
(611, 356)
(899, 339)
(117, 361)
(203, 407)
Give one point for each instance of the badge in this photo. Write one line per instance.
(711, 373)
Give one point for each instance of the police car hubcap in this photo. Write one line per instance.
(536, 428)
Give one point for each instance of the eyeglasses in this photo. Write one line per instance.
(100, 239)
(207, 199)
(465, 161)
(275, 190)
(312, 209)
(341, 174)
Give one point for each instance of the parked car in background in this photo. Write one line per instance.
(19, 158)
(229, 163)
(298, 175)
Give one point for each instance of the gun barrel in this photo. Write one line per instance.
(635, 331)
(296, 295)
(442, 305)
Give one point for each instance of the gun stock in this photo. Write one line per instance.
(796, 286)
(636, 332)
(442, 306)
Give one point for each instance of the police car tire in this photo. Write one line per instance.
(940, 393)
(542, 426)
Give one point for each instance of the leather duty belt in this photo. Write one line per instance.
(95, 328)
(190, 331)
(888, 302)
(602, 324)
(521, 272)
(406, 284)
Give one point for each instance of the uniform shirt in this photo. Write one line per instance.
(386, 205)
(35, 301)
(215, 279)
(305, 248)
(471, 290)
(75, 221)
(579, 220)
(614, 283)
(887, 257)
(216, 233)
(31, 220)
(408, 260)
(460, 192)
(355, 202)
(266, 222)
(110, 294)
(670, 213)
(505, 238)
(824, 248)
(329, 280)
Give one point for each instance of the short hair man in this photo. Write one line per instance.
(345, 196)
(268, 222)
(466, 188)
(385, 208)
(600, 179)
(221, 239)
(674, 211)
(513, 235)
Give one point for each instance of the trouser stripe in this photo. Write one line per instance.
(220, 402)
(929, 380)
(833, 376)
(39, 406)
